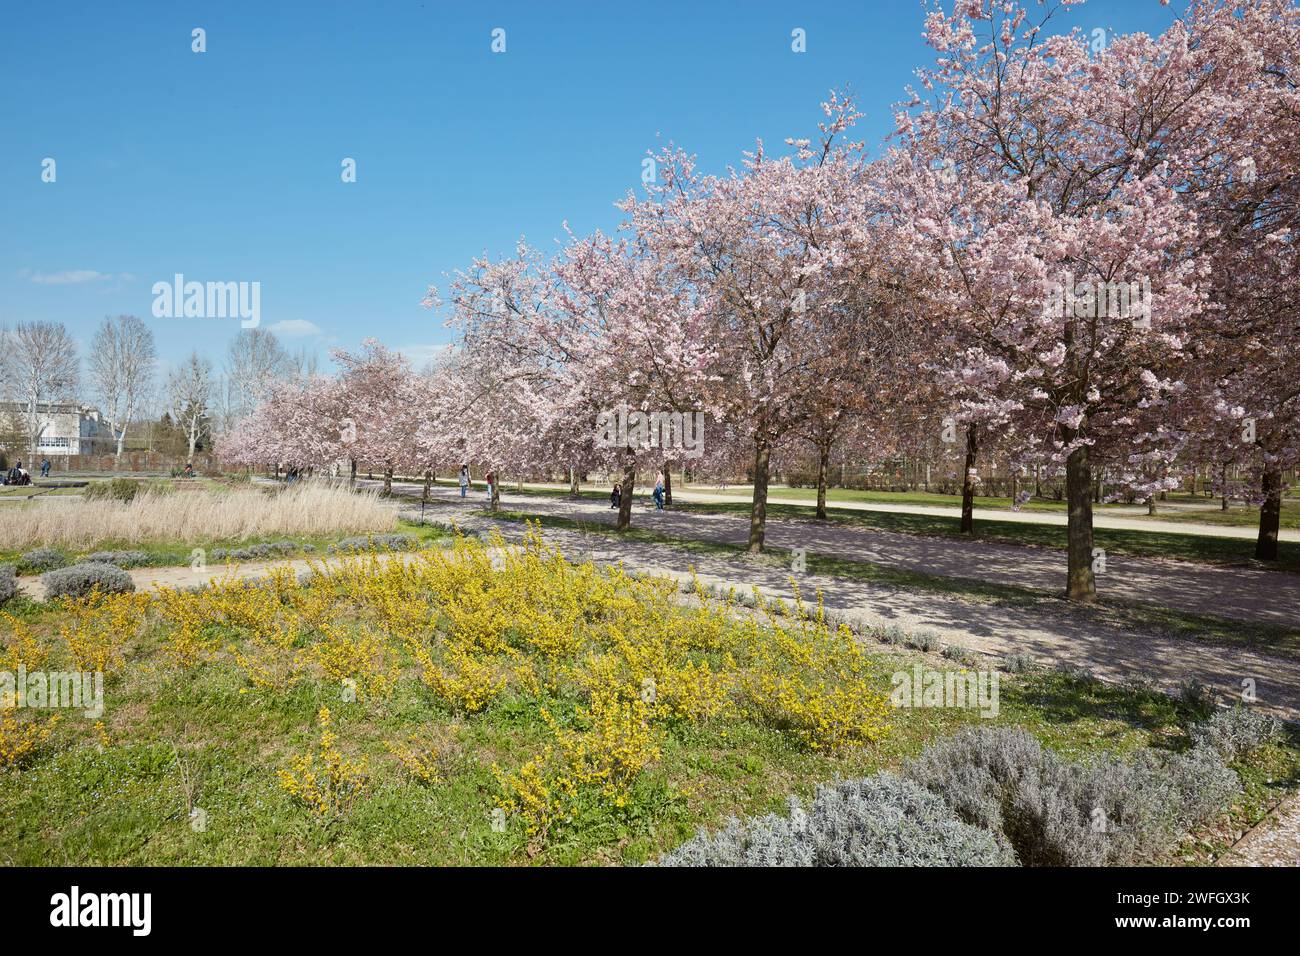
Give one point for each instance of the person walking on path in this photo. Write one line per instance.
(464, 480)
(45, 468)
(659, 492)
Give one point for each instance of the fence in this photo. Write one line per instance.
(131, 461)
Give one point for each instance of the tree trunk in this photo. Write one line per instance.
(1081, 584)
(668, 483)
(823, 462)
(1270, 516)
(1151, 504)
(574, 489)
(353, 479)
(625, 502)
(1223, 474)
(496, 493)
(388, 483)
(758, 513)
(428, 482)
(968, 483)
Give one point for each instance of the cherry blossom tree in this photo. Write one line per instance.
(760, 250)
(1048, 180)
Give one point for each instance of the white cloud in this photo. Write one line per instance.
(421, 355)
(68, 277)
(295, 328)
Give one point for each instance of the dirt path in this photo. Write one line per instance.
(1117, 518)
(1240, 593)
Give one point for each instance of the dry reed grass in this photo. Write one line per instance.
(304, 509)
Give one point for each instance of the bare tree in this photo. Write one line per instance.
(39, 365)
(189, 393)
(303, 364)
(122, 357)
(253, 363)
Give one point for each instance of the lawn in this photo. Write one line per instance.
(486, 706)
(38, 491)
(167, 553)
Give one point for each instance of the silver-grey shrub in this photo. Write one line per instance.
(882, 820)
(959, 654)
(1053, 812)
(1018, 662)
(119, 559)
(376, 542)
(893, 634)
(81, 579)
(1236, 731)
(257, 552)
(924, 640)
(8, 583)
(42, 559)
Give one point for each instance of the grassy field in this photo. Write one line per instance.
(480, 684)
(166, 553)
(38, 491)
(198, 513)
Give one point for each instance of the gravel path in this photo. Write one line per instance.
(1115, 517)
(1240, 593)
(1275, 842)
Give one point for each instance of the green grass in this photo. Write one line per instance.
(77, 803)
(37, 491)
(164, 554)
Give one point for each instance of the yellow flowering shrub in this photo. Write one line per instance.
(20, 648)
(323, 778)
(484, 625)
(359, 658)
(99, 627)
(461, 680)
(602, 762)
(19, 737)
(417, 759)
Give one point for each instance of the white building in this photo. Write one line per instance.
(66, 428)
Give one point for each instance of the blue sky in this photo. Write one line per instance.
(225, 165)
